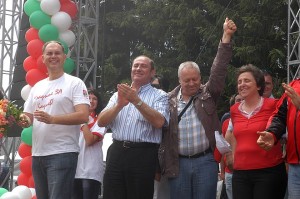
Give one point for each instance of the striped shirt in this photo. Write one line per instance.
(192, 137)
(130, 125)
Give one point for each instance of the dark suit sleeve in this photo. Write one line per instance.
(277, 122)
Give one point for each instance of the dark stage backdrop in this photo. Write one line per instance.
(18, 81)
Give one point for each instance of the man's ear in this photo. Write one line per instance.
(153, 72)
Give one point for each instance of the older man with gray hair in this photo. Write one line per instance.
(186, 152)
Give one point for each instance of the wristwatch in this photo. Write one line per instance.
(139, 104)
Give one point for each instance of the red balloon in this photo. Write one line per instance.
(31, 34)
(41, 66)
(31, 182)
(34, 197)
(24, 150)
(29, 63)
(64, 1)
(23, 179)
(70, 8)
(33, 76)
(25, 165)
(34, 48)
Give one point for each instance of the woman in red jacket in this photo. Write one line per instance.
(258, 174)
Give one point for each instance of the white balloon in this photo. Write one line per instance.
(25, 92)
(23, 192)
(62, 21)
(68, 37)
(10, 195)
(32, 191)
(50, 7)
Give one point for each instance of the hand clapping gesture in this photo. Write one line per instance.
(126, 94)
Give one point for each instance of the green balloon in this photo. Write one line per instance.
(38, 19)
(69, 65)
(31, 6)
(48, 32)
(2, 191)
(26, 136)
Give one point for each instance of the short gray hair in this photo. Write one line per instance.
(188, 64)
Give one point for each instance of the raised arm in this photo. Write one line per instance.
(216, 82)
(229, 28)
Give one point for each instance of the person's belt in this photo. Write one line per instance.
(129, 144)
(197, 155)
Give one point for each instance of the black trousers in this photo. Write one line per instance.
(130, 172)
(267, 183)
(86, 189)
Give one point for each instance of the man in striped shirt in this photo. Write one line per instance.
(136, 114)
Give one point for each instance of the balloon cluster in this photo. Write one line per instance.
(19, 192)
(49, 20)
(25, 177)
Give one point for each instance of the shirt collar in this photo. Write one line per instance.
(145, 87)
(258, 107)
(179, 95)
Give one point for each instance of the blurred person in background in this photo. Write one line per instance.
(269, 85)
(161, 184)
(90, 165)
(226, 170)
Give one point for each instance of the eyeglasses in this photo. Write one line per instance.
(156, 86)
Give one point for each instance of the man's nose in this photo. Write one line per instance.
(191, 83)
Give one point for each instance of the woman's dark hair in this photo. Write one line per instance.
(232, 99)
(257, 74)
(163, 82)
(99, 105)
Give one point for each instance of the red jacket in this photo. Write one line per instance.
(286, 116)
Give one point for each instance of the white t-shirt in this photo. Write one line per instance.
(90, 163)
(56, 97)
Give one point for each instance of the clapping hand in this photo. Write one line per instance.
(126, 94)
